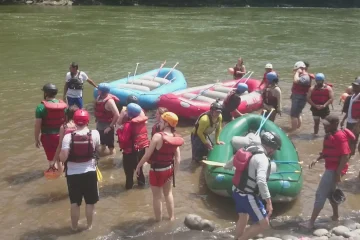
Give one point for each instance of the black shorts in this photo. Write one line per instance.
(108, 138)
(83, 185)
(322, 113)
(226, 115)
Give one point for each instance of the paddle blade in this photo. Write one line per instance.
(215, 164)
(99, 175)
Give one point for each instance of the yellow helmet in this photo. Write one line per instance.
(171, 118)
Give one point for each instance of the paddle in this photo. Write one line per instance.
(171, 70)
(242, 78)
(128, 77)
(248, 77)
(98, 174)
(202, 91)
(219, 164)
(161, 66)
(263, 122)
(296, 171)
(137, 64)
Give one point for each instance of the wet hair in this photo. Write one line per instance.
(307, 64)
(162, 110)
(70, 112)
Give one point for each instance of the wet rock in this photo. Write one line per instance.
(336, 238)
(357, 231)
(259, 236)
(357, 237)
(289, 237)
(29, 2)
(352, 225)
(350, 234)
(320, 232)
(195, 222)
(272, 238)
(340, 230)
(320, 238)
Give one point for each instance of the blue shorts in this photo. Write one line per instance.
(298, 102)
(75, 101)
(249, 204)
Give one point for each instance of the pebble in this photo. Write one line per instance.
(289, 237)
(320, 232)
(195, 222)
(340, 230)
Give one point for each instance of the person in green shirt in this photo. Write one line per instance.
(49, 117)
(206, 124)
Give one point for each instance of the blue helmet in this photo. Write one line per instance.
(133, 110)
(242, 87)
(104, 87)
(319, 77)
(271, 76)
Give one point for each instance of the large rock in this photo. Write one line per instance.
(196, 222)
(350, 234)
(357, 231)
(320, 232)
(336, 238)
(351, 224)
(340, 230)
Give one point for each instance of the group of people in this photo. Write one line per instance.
(70, 146)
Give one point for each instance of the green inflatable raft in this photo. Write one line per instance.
(285, 181)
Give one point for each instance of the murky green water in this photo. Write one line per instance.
(38, 43)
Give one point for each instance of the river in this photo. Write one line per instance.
(37, 44)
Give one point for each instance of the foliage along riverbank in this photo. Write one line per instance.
(197, 3)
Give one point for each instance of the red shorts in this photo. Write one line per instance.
(159, 176)
(50, 143)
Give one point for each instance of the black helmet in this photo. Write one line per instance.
(216, 106)
(132, 99)
(50, 88)
(271, 139)
(338, 196)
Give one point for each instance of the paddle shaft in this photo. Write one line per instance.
(137, 64)
(241, 79)
(262, 124)
(248, 77)
(161, 66)
(171, 70)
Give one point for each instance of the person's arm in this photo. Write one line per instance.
(92, 83)
(261, 166)
(65, 148)
(204, 123)
(242, 70)
(331, 93)
(65, 88)
(149, 151)
(308, 97)
(297, 76)
(218, 130)
(61, 137)
(37, 131)
(277, 93)
(121, 117)
(177, 159)
(343, 160)
(112, 107)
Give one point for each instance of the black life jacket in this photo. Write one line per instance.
(75, 82)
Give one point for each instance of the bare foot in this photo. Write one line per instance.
(172, 219)
(335, 218)
(307, 225)
(89, 227)
(75, 229)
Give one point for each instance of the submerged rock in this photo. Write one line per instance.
(320, 232)
(195, 222)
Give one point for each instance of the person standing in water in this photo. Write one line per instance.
(320, 96)
(268, 69)
(133, 140)
(232, 102)
(336, 153)
(73, 89)
(239, 70)
(107, 114)
(156, 128)
(299, 90)
(66, 128)
(78, 153)
(49, 117)
(352, 109)
(250, 181)
(272, 96)
(205, 125)
(164, 156)
(122, 117)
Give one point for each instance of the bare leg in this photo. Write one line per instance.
(299, 121)
(169, 199)
(316, 125)
(241, 224)
(75, 215)
(112, 151)
(335, 208)
(157, 204)
(255, 229)
(314, 215)
(294, 123)
(89, 210)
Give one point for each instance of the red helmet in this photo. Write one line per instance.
(81, 117)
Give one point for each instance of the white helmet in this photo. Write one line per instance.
(299, 64)
(269, 65)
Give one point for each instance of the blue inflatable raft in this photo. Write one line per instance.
(146, 87)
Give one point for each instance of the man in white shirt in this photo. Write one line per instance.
(78, 152)
(73, 89)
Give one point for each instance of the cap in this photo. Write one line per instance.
(299, 64)
(357, 81)
(269, 65)
(331, 119)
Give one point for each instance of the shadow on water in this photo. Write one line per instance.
(24, 177)
(133, 228)
(112, 190)
(47, 198)
(48, 233)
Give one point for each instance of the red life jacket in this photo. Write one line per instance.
(164, 157)
(269, 99)
(237, 75)
(68, 130)
(155, 129)
(133, 135)
(298, 88)
(101, 114)
(55, 116)
(81, 148)
(330, 153)
(355, 108)
(320, 96)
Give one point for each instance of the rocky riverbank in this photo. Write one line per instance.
(195, 3)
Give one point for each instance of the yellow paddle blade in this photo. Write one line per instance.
(215, 164)
(99, 175)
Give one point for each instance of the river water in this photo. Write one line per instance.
(38, 43)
